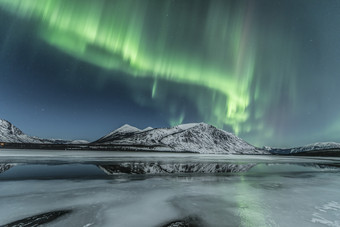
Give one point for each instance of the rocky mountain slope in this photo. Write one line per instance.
(196, 137)
(321, 148)
(11, 134)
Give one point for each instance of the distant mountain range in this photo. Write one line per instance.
(315, 149)
(194, 137)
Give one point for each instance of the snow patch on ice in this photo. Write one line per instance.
(332, 207)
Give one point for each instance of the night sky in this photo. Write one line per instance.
(266, 70)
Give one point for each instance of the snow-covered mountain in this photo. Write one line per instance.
(11, 134)
(78, 142)
(320, 148)
(316, 147)
(119, 132)
(195, 137)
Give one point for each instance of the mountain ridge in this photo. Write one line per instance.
(9, 133)
(314, 149)
(192, 137)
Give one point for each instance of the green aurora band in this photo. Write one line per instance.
(214, 46)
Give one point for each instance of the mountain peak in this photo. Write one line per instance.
(187, 126)
(7, 127)
(3, 121)
(126, 129)
(316, 146)
(147, 129)
(191, 137)
(11, 134)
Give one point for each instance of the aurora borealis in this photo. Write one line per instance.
(251, 67)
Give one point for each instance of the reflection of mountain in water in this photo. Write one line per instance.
(167, 168)
(188, 221)
(39, 219)
(4, 167)
(331, 166)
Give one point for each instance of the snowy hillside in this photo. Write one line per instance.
(316, 147)
(196, 137)
(11, 134)
(319, 149)
(124, 130)
(79, 142)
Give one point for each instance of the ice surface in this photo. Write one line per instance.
(278, 191)
(265, 200)
(325, 212)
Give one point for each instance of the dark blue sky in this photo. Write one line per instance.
(279, 60)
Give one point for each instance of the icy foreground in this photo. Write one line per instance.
(196, 137)
(4, 167)
(258, 190)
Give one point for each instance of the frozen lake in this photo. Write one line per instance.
(72, 188)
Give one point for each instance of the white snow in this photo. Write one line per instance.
(122, 130)
(127, 128)
(331, 208)
(194, 137)
(147, 129)
(261, 197)
(316, 146)
(79, 142)
(187, 126)
(11, 134)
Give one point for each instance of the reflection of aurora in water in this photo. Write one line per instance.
(249, 202)
(214, 45)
